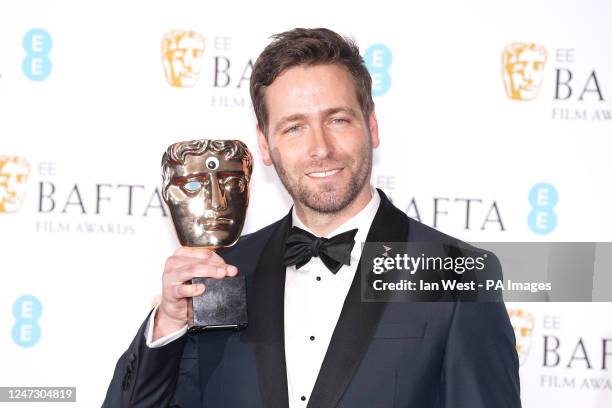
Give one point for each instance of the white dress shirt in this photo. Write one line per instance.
(314, 297)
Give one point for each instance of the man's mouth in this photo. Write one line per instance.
(324, 174)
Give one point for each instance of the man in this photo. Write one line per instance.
(311, 341)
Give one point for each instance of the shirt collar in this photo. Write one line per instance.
(362, 221)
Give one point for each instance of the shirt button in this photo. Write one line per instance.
(318, 278)
(303, 398)
(312, 338)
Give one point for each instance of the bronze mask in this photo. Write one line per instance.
(206, 187)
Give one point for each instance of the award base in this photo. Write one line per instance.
(221, 306)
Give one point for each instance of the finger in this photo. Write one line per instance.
(187, 290)
(201, 253)
(200, 270)
(179, 261)
(231, 270)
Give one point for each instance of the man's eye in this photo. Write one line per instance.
(192, 186)
(292, 129)
(339, 121)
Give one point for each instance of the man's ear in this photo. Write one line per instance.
(264, 149)
(373, 126)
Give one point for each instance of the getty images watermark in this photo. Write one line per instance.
(485, 272)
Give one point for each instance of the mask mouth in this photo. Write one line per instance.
(216, 224)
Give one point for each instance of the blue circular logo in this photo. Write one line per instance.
(543, 198)
(37, 44)
(378, 59)
(27, 310)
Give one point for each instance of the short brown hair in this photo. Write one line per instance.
(308, 46)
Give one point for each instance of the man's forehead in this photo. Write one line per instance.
(197, 164)
(310, 91)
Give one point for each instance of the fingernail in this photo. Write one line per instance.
(232, 269)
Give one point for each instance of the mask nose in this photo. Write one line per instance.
(217, 194)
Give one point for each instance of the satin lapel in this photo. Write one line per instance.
(266, 319)
(358, 320)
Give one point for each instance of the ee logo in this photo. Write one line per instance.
(378, 59)
(37, 44)
(27, 310)
(542, 218)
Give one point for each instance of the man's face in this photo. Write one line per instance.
(524, 72)
(183, 61)
(208, 198)
(13, 178)
(318, 140)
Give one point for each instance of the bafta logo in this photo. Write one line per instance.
(523, 324)
(182, 53)
(523, 70)
(14, 172)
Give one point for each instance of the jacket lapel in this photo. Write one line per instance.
(358, 320)
(266, 319)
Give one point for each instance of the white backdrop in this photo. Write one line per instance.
(85, 102)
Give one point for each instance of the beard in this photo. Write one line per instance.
(331, 197)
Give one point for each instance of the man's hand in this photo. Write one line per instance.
(175, 309)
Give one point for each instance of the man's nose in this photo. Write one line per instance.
(321, 143)
(217, 194)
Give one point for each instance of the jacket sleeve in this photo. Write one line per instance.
(481, 368)
(148, 377)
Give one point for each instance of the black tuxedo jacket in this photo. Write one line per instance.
(409, 355)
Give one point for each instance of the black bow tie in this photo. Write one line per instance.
(334, 252)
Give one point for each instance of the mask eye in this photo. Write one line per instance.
(212, 163)
(232, 183)
(192, 186)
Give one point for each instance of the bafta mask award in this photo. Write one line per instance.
(206, 188)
